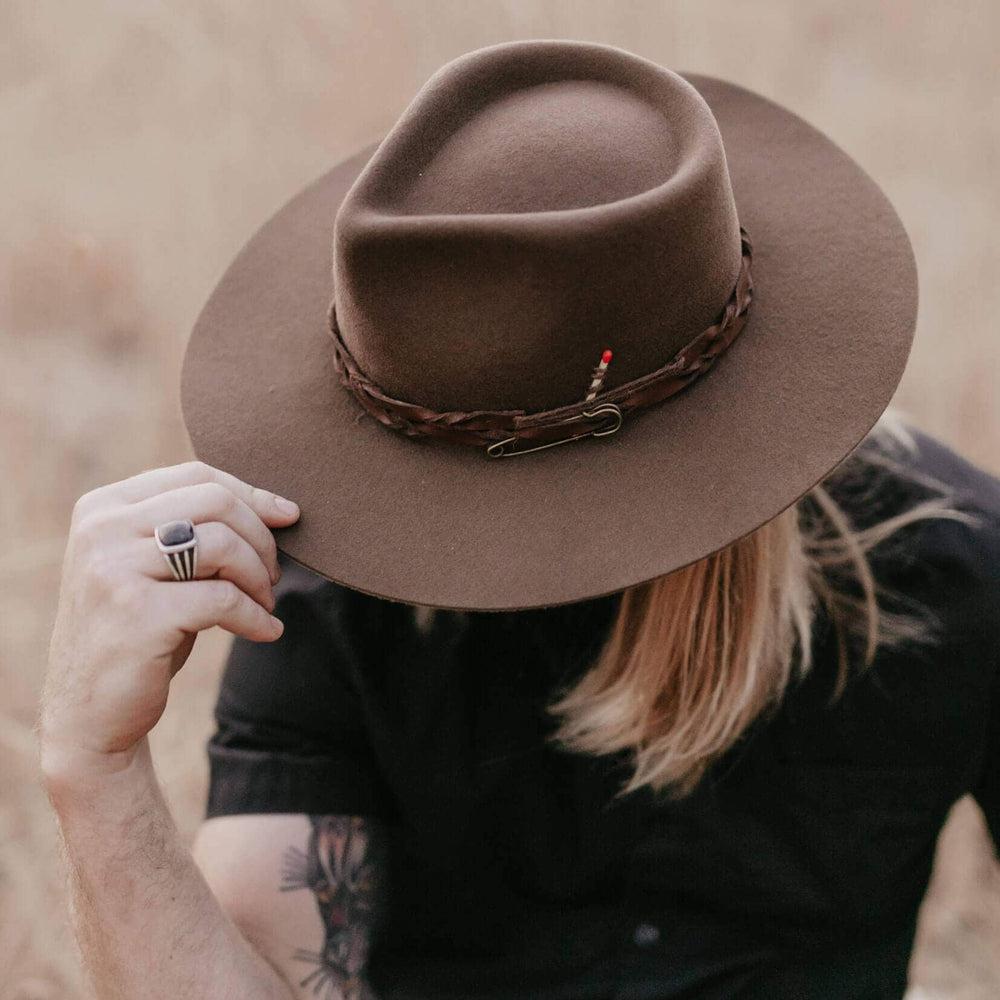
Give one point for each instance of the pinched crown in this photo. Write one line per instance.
(534, 205)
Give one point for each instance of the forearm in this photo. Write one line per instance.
(147, 924)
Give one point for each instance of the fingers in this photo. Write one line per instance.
(207, 502)
(199, 604)
(222, 552)
(269, 507)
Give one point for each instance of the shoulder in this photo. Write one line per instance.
(970, 541)
(928, 520)
(899, 471)
(973, 487)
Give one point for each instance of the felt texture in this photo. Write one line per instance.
(533, 206)
(496, 429)
(537, 202)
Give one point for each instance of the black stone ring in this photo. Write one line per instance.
(179, 545)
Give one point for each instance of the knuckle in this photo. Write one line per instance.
(271, 544)
(263, 573)
(81, 506)
(197, 469)
(104, 577)
(86, 503)
(91, 526)
(120, 591)
(229, 546)
(219, 497)
(228, 598)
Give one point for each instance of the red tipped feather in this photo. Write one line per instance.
(597, 380)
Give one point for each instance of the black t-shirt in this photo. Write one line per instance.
(796, 868)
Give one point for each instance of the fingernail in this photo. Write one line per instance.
(278, 625)
(285, 506)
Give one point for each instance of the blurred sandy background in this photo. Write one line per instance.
(142, 142)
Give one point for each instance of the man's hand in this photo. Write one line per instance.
(124, 626)
(147, 924)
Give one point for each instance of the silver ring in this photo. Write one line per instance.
(179, 544)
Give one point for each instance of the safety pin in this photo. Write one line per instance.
(606, 410)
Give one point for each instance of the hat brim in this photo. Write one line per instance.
(443, 525)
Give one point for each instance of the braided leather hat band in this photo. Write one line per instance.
(506, 432)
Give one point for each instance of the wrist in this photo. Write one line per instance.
(72, 774)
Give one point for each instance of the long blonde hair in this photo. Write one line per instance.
(694, 657)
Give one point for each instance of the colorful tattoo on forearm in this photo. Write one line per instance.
(340, 866)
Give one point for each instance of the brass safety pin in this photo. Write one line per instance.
(608, 412)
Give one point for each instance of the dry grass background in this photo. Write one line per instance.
(143, 142)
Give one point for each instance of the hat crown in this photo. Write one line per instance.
(536, 203)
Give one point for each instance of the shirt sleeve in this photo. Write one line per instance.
(970, 558)
(982, 619)
(987, 789)
(290, 731)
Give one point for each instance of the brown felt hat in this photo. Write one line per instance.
(574, 323)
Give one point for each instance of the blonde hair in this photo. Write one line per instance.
(694, 657)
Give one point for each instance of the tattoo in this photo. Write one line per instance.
(341, 866)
